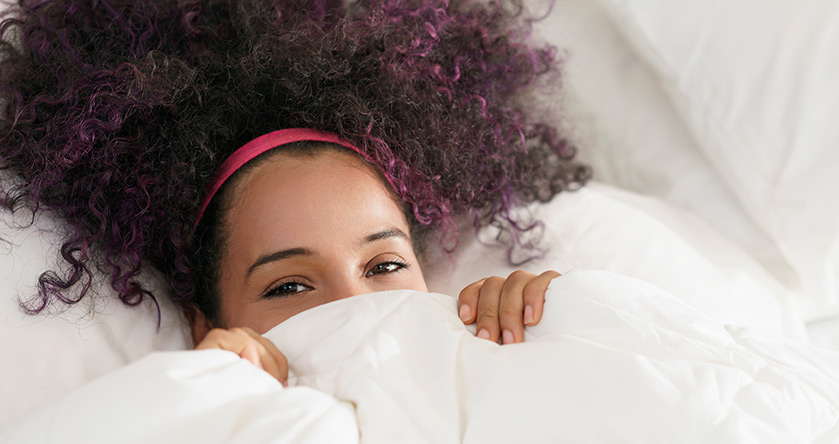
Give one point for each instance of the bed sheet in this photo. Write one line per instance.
(614, 359)
(754, 83)
(210, 397)
(722, 109)
(824, 332)
(611, 361)
(627, 128)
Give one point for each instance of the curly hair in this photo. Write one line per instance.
(115, 114)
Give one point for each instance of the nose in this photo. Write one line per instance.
(349, 286)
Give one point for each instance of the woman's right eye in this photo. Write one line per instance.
(284, 289)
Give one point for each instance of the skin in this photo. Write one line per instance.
(309, 230)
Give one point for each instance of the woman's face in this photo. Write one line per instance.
(307, 230)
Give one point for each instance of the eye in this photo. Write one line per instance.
(287, 288)
(386, 267)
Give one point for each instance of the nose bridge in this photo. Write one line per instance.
(348, 284)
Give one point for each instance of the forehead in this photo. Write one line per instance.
(302, 198)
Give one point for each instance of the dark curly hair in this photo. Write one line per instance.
(115, 113)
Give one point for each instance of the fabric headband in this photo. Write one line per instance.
(265, 143)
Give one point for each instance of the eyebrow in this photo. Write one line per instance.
(278, 256)
(294, 252)
(384, 234)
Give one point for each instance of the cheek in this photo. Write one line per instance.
(264, 315)
(420, 281)
(271, 313)
(413, 279)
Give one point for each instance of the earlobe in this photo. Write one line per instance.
(199, 324)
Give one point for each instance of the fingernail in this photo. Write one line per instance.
(507, 336)
(465, 312)
(528, 315)
(483, 334)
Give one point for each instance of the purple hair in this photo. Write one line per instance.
(115, 113)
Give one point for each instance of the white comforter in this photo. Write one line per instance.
(614, 360)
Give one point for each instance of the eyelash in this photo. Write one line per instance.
(276, 292)
(399, 263)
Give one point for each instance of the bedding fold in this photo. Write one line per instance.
(208, 396)
(614, 359)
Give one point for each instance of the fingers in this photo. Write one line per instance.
(489, 297)
(250, 346)
(511, 307)
(468, 301)
(534, 296)
(503, 307)
(273, 361)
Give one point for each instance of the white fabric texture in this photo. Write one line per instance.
(622, 119)
(613, 360)
(755, 83)
(47, 355)
(208, 396)
(601, 227)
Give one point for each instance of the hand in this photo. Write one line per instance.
(248, 345)
(504, 306)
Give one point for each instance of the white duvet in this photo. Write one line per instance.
(615, 359)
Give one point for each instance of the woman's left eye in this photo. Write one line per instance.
(285, 289)
(386, 267)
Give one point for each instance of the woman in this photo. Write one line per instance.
(328, 227)
(117, 113)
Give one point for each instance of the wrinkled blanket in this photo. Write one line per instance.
(614, 360)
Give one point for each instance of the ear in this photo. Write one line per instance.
(199, 323)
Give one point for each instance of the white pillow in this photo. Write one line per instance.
(629, 132)
(47, 355)
(756, 83)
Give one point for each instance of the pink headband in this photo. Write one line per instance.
(262, 144)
